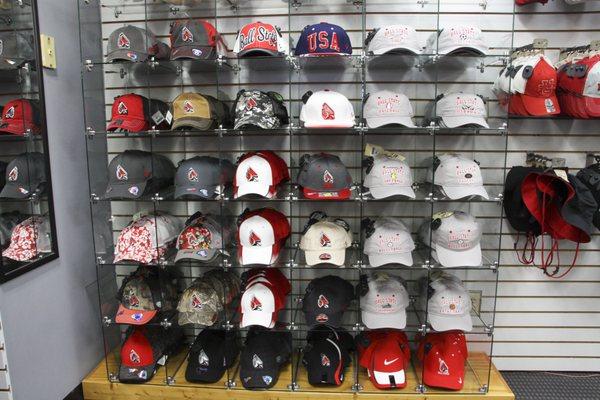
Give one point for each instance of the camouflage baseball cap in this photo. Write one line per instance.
(131, 43)
(15, 49)
(264, 110)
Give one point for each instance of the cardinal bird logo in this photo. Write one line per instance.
(255, 304)
(257, 363)
(123, 109)
(327, 177)
(250, 104)
(254, 239)
(203, 358)
(188, 107)
(325, 241)
(251, 175)
(196, 303)
(187, 35)
(121, 173)
(443, 367)
(133, 300)
(192, 175)
(123, 41)
(13, 175)
(322, 302)
(134, 357)
(327, 112)
(325, 360)
(10, 113)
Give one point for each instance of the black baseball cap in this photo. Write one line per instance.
(3, 166)
(324, 176)
(25, 175)
(136, 173)
(517, 214)
(590, 176)
(263, 355)
(203, 176)
(326, 355)
(326, 299)
(213, 352)
(264, 110)
(579, 210)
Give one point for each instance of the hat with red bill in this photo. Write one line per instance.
(539, 98)
(261, 236)
(193, 39)
(20, 117)
(324, 177)
(135, 113)
(385, 355)
(264, 296)
(443, 355)
(260, 173)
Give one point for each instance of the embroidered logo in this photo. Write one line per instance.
(322, 302)
(203, 358)
(255, 304)
(257, 363)
(10, 113)
(134, 357)
(121, 173)
(122, 109)
(188, 107)
(251, 175)
(123, 41)
(250, 104)
(325, 241)
(192, 175)
(196, 303)
(443, 367)
(327, 112)
(325, 360)
(13, 175)
(254, 239)
(327, 177)
(187, 35)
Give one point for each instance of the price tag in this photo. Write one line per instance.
(562, 174)
(138, 215)
(158, 118)
(372, 150)
(442, 214)
(169, 117)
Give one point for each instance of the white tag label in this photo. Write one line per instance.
(169, 117)
(561, 174)
(372, 150)
(158, 118)
(162, 361)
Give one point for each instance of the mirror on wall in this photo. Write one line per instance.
(27, 228)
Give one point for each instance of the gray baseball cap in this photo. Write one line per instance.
(135, 173)
(131, 43)
(388, 241)
(15, 49)
(25, 175)
(203, 176)
(202, 239)
(193, 39)
(324, 176)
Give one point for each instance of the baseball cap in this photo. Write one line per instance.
(20, 117)
(143, 349)
(147, 238)
(16, 49)
(262, 357)
(260, 173)
(29, 239)
(199, 111)
(25, 176)
(136, 173)
(459, 39)
(385, 108)
(134, 113)
(326, 359)
(455, 239)
(264, 110)
(386, 356)
(144, 294)
(443, 355)
(8, 221)
(323, 176)
(590, 176)
(261, 305)
(326, 109)
(214, 351)
(388, 176)
(457, 175)
(261, 236)
(323, 39)
(449, 306)
(131, 43)
(202, 239)
(260, 39)
(326, 241)
(539, 98)
(384, 304)
(326, 299)
(453, 110)
(388, 241)
(193, 39)
(203, 176)
(393, 39)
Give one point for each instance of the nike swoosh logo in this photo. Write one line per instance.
(386, 362)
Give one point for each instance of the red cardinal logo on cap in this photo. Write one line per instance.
(192, 175)
(123, 41)
(254, 239)
(251, 175)
(121, 173)
(188, 107)
(13, 175)
(250, 104)
(196, 303)
(327, 112)
(325, 241)
(443, 367)
(187, 35)
(327, 177)
(255, 304)
(10, 113)
(133, 300)
(134, 357)
(322, 302)
(123, 109)
(325, 360)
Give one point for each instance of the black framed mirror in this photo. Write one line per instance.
(27, 223)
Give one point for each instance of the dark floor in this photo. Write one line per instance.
(554, 385)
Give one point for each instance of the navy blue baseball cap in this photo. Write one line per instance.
(323, 39)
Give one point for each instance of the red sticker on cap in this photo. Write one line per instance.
(250, 104)
(188, 107)
(196, 303)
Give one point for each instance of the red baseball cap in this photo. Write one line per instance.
(259, 38)
(20, 116)
(270, 276)
(443, 355)
(386, 360)
(540, 91)
(516, 106)
(137, 352)
(261, 236)
(129, 113)
(260, 173)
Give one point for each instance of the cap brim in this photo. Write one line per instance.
(258, 188)
(202, 124)
(329, 124)
(195, 372)
(195, 191)
(335, 257)
(125, 191)
(312, 194)
(396, 50)
(127, 124)
(260, 121)
(133, 317)
(592, 106)
(460, 192)
(197, 318)
(442, 323)
(260, 318)
(136, 375)
(454, 381)
(455, 122)
(382, 192)
(476, 50)
(382, 378)
(391, 320)
(377, 260)
(193, 53)
(258, 52)
(13, 191)
(536, 106)
(250, 255)
(377, 122)
(256, 379)
(464, 258)
(205, 255)
(126, 55)
(19, 128)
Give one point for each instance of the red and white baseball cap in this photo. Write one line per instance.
(265, 294)
(386, 359)
(260, 173)
(458, 176)
(261, 236)
(28, 239)
(129, 113)
(260, 38)
(539, 98)
(327, 109)
(443, 355)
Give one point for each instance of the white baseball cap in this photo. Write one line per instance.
(449, 307)
(458, 176)
(459, 38)
(261, 236)
(396, 39)
(389, 176)
(325, 242)
(327, 109)
(455, 239)
(387, 108)
(254, 175)
(389, 243)
(257, 306)
(452, 110)
(384, 305)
